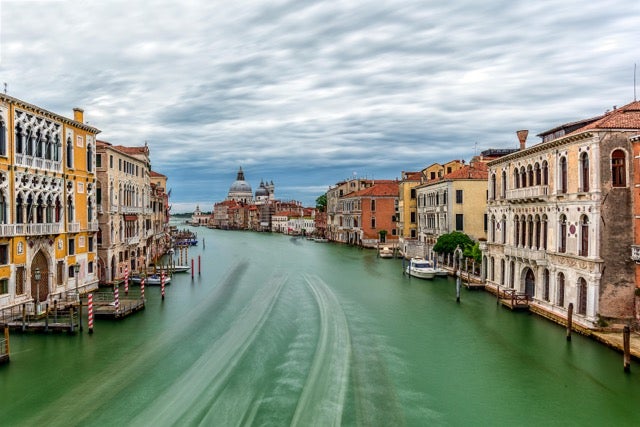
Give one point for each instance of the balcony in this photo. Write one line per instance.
(528, 194)
(130, 209)
(93, 225)
(7, 230)
(537, 255)
(73, 227)
(635, 253)
(38, 163)
(133, 240)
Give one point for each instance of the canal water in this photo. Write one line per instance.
(285, 331)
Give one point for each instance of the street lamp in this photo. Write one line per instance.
(76, 270)
(37, 276)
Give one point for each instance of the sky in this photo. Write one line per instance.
(309, 93)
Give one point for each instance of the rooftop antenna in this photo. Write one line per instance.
(475, 148)
(634, 83)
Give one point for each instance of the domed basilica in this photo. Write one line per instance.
(240, 191)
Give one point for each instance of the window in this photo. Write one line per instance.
(413, 233)
(562, 234)
(413, 191)
(89, 158)
(561, 289)
(486, 226)
(373, 222)
(373, 205)
(538, 173)
(120, 165)
(582, 296)
(516, 179)
(584, 236)
(90, 267)
(563, 175)
(504, 229)
(3, 138)
(459, 222)
(4, 254)
(502, 272)
(72, 246)
(493, 186)
(4, 286)
(618, 169)
(458, 196)
(516, 231)
(503, 190)
(111, 166)
(584, 172)
(98, 160)
(545, 284)
(413, 217)
(91, 244)
(69, 152)
(545, 173)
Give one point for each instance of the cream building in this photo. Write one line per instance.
(560, 220)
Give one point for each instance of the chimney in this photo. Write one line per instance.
(78, 115)
(522, 137)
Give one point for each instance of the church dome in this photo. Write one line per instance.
(240, 187)
(240, 190)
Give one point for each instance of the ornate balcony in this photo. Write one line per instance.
(7, 230)
(535, 193)
(537, 255)
(73, 227)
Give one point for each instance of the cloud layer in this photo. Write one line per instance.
(306, 93)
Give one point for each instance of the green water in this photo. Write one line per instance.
(280, 331)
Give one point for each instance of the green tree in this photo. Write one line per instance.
(321, 203)
(447, 243)
(474, 252)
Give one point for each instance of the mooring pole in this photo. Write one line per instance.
(46, 318)
(569, 321)
(198, 265)
(6, 339)
(90, 312)
(192, 268)
(626, 338)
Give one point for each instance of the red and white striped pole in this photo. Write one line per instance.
(162, 283)
(116, 298)
(126, 280)
(142, 288)
(90, 312)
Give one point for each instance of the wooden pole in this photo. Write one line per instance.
(80, 312)
(192, 268)
(71, 318)
(6, 339)
(46, 318)
(24, 317)
(198, 265)
(569, 321)
(626, 338)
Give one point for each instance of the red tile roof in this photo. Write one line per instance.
(476, 170)
(379, 189)
(626, 117)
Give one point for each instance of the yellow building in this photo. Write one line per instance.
(406, 218)
(47, 205)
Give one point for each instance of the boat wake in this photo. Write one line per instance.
(323, 395)
(188, 401)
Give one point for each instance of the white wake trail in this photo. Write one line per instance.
(323, 395)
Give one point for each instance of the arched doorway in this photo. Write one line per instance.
(40, 288)
(529, 283)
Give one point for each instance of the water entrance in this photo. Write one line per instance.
(287, 331)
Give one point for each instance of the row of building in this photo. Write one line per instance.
(74, 211)
(557, 221)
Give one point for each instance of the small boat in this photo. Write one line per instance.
(420, 268)
(386, 252)
(173, 269)
(441, 271)
(152, 279)
(320, 240)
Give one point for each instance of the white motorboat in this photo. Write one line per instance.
(385, 252)
(152, 279)
(420, 268)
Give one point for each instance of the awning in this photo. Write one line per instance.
(130, 217)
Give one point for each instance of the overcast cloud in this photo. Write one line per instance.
(307, 93)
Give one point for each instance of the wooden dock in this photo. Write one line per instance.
(53, 320)
(513, 300)
(4, 346)
(104, 306)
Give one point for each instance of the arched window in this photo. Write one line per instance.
(492, 272)
(57, 146)
(538, 173)
(530, 176)
(536, 244)
(516, 230)
(512, 271)
(30, 142)
(503, 190)
(493, 228)
(562, 234)
(3, 138)
(545, 173)
(69, 152)
(38, 145)
(58, 210)
(562, 175)
(545, 284)
(502, 272)
(582, 296)
(504, 229)
(70, 209)
(19, 209)
(493, 186)
(584, 236)
(523, 177)
(543, 225)
(19, 140)
(561, 289)
(516, 178)
(3, 209)
(89, 158)
(523, 231)
(584, 172)
(618, 169)
(529, 231)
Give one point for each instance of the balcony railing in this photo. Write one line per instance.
(73, 227)
(7, 230)
(93, 225)
(528, 193)
(635, 253)
(133, 240)
(38, 162)
(526, 253)
(131, 209)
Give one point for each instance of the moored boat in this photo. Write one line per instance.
(385, 252)
(152, 279)
(420, 268)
